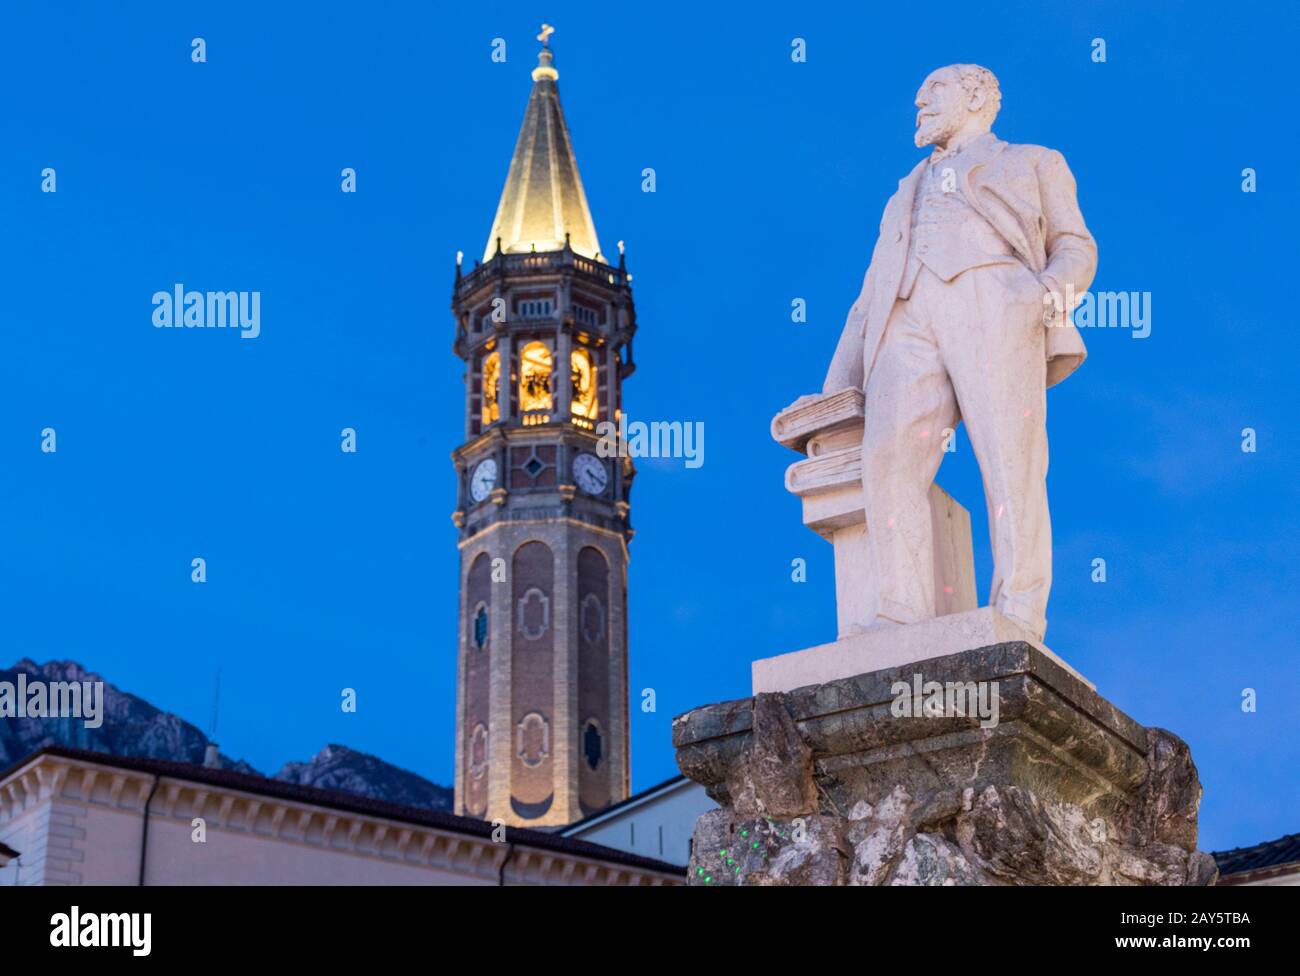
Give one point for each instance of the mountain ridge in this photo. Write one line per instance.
(132, 726)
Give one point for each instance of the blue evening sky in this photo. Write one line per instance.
(329, 570)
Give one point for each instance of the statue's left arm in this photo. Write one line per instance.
(1071, 251)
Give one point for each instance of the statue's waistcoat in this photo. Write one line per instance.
(948, 236)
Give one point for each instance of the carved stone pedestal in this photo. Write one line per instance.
(993, 766)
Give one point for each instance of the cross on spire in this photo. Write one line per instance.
(547, 31)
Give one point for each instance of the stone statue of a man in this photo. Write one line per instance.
(963, 315)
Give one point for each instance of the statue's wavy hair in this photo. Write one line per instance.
(975, 78)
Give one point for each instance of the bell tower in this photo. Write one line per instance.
(544, 324)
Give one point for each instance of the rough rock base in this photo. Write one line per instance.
(837, 784)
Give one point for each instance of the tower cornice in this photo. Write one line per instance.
(509, 267)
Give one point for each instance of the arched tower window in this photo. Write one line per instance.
(597, 738)
(583, 378)
(593, 744)
(477, 689)
(535, 377)
(491, 388)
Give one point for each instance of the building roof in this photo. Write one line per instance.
(7, 852)
(635, 800)
(350, 803)
(1260, 857)
(543, 200)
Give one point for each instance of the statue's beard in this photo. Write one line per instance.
(936, 130)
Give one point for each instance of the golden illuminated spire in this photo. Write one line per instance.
(543, 199)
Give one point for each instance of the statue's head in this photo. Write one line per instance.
(961, 98)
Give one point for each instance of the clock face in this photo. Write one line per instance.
(484, 479)
(590, 474)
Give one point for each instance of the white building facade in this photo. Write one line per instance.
(656, 823)
(71, 817)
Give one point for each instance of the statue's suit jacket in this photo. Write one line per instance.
(1027, 194)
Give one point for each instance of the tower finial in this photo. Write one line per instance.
(545, 69)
